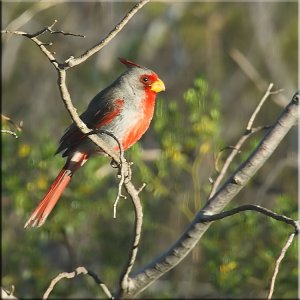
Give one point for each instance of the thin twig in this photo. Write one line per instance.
(218, 157)
(70, 275)
(252, 207)
(5, 294)
(278, 262)
(124, 169)
(42, 31)
(236, 148)
(50, 30)
(9, 120)
(260, 104)
(96, 48)
(9, 132)
(123, 172)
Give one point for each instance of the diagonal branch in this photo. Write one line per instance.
(216, 204)
(76, 61)
(235, 149)
(278, 262)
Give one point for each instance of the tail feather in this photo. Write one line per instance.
(46, 205)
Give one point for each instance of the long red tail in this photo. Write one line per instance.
(46, 205)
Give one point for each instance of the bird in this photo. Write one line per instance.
(125, 109)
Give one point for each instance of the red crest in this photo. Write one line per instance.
(128, 63)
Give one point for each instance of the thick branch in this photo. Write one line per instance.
(216, 204)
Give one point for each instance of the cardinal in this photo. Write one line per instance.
(125, 109)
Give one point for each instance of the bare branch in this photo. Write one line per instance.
(124, 167)
(50, 30)
(9, 120)
(76, 61)
(5, 294)
(125, 280)
(278, 262)
(9, 132)
(262, 210)
(70, 275)
(216, 204)
(260, 104)
(236, 148)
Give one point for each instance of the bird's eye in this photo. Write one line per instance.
(146, 80)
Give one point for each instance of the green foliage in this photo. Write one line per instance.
(249, 257)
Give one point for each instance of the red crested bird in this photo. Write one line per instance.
(125, 109)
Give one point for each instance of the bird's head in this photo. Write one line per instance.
(142, 77)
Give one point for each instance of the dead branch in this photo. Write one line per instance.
(12, 124)
(70, 275)
(9, 132)
(125, 280)
(236, 148)
(278, 262)
(5, 294)
(252, 207)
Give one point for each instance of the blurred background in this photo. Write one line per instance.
(217, 60)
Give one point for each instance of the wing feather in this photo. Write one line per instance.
(93, 117)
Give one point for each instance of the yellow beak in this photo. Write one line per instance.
(158, 86)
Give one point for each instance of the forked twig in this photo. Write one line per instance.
(123, 172)
(70, 275)
(236, 148)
